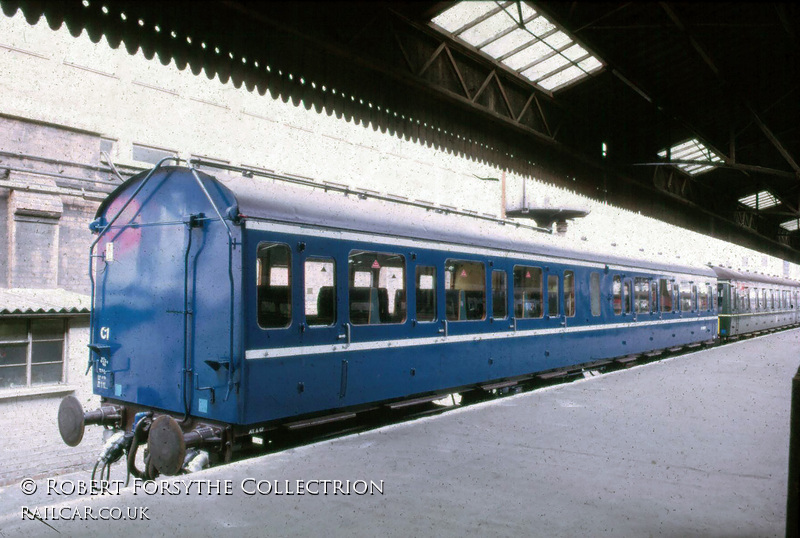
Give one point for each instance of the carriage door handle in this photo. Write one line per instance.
(513, 324)
(346, 334)
(443, 330)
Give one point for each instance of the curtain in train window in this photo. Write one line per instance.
(499, 295)
(641, 289)
(552, 295)
(320, 284)
(465, 290)
(569, 293)
(616, 295)
(426, 293)
(594, 293)
(377, 291)
(274, 285)
(694, 297)
(527, 292)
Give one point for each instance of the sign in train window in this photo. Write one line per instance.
(274, 285)
(377, 291)
(465, 290)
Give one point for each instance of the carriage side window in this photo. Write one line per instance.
(763, 299)
(654, 296)
(499, 295)
(320, 283)
(627, 297)
(641, 288)
(713, 301)
(552, 295)
(676, 296)
(377, 292)
(569, 293)
(694, 297)
(465, 290)
(772, 299)
(616, 295)
(686, 297)
(702, 296)
(527, 292)
(426, 293)
(274, 285)
(594, 293)
(665, 292)
(752, 299)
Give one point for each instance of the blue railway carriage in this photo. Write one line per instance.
(750, 303)
(227, 307)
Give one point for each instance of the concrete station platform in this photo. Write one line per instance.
(696, 445)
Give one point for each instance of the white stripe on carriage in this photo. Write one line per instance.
(411, 342)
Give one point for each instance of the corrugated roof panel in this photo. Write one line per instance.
(21, 301)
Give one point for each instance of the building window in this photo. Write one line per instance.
(31, 352)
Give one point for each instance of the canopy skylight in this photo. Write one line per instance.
(760, 200)
(791, 225)
(525, 41)
(691, 150)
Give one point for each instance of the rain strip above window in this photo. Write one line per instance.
(760, 200)
(518, 37)
(691, 150)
